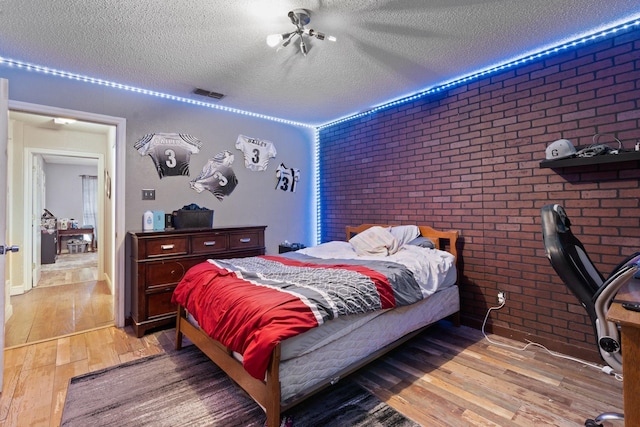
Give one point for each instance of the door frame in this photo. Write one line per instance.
(116, 170)
(30, 210)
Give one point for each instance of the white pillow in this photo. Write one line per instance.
(374, 241)
(405, 233)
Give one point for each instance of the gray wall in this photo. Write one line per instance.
(287, 216)
(255, 201)
(64, 189)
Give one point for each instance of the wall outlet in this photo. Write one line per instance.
(502, 297)
(148, 194)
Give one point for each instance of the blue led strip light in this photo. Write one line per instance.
(316, 186)
(72, 76)
(483, 73)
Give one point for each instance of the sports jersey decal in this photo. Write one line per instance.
(287, 178)
(170, 152)
(257, 152)
(217, 176)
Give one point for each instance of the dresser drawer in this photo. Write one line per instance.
(246, 239)
(165, 246)
(159, 304)
(209, 243)
(163, 273)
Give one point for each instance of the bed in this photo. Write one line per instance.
(312, 358)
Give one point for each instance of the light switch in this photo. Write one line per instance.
(148, 194)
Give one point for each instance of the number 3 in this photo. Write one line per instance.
(171, 158)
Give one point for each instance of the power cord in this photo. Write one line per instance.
(605, 369)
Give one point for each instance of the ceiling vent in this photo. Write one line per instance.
(208, 93)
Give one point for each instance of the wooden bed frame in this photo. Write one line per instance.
(267, 392)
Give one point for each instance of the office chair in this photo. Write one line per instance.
(572, 263)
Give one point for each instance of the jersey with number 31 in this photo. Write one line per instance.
(170, 152)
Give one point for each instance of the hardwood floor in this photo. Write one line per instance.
(446, 376)
(454, 377)
(68, 299)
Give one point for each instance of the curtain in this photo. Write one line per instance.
(90, 202)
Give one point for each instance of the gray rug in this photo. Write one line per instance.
(184, 388)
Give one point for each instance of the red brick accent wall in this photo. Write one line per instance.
(469, 159)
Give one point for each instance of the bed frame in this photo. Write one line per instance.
(267, 392)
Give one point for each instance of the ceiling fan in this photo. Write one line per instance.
(299, 18)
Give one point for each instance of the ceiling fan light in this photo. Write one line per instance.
(299, 18)
(274, 40)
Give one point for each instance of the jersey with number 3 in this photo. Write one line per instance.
(287, 178)
(170, 152)
(257, 152)
(217, 176)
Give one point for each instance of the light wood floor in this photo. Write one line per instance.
(445, 376)
(67, 299)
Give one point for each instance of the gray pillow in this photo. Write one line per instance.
(423, 242)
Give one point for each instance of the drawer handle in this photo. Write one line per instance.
(212, 243)
(167, 247)
(245, 240)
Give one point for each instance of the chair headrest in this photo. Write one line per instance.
(563, 222)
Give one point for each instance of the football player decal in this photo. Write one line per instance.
(170, 152)
(217, 176)
(287, 178)
(257, 152)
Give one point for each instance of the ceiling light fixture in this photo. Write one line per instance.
(299, 18)
(63, 121)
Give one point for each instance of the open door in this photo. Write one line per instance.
(4, 135)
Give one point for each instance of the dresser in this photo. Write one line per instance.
(159, 259)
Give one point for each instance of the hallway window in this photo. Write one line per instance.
(90, 201)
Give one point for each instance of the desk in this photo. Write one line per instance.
(629, 322)
(76, 232)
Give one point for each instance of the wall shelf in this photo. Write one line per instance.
(595, 160)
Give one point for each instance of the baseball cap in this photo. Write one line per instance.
(560, 149)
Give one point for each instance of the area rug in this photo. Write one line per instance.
(184, 388)
(70, 261)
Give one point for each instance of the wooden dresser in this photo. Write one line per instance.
(159, 260)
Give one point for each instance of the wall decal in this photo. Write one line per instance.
(170, 152)
(217, 176)
(257, 152)
(287, 178)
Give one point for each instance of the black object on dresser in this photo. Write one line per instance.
(159, 260)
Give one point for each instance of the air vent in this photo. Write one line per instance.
(208, 93)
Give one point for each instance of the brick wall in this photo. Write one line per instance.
(469, 159)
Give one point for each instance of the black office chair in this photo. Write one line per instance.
(572, 263)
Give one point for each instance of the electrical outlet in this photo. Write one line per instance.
(148, 194)
(502, 297)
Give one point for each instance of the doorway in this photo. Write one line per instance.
(36, 121)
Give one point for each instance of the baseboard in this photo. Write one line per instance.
(109, 283)
(8, 308)
(15, 290)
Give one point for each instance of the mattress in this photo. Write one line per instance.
(340, 347)
(313, 359)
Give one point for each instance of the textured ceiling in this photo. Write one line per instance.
(385, 49)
